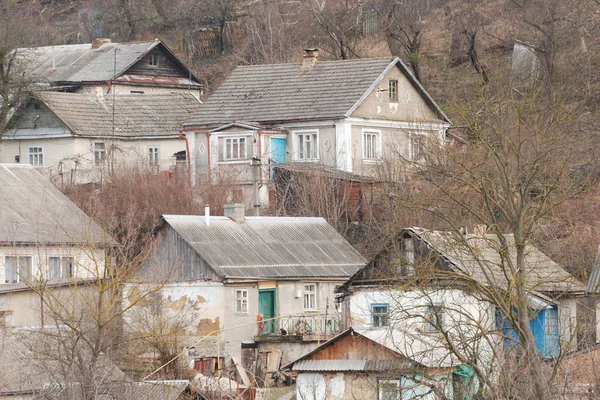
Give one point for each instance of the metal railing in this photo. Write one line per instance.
(304, 325)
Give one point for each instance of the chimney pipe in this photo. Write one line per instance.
(309, 58)
(207, 215)
(98, 42)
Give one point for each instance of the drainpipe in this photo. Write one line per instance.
(208, 155)
(187, 154)
(260, 158)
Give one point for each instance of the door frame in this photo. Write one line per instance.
(274, 291)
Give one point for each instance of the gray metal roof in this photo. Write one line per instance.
(33, 211)
(269, 247)
(287, 92)
(330, 365)
(471, 254)
(78, 63)
(135, 115)
(594, 280)
(150, 390)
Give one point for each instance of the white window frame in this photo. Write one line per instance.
(35, 158)
(230, 141)
(66, 267)
(411, 146)
(99, 154)
(382, 382)
(377, 151)
(310, 296)
(379, 319)
(393, 90)
(19, 275)
(154, 157)
(299, 155)
(241, 301)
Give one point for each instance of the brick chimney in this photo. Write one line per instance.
(236, 212)
(98, 42)
(309, 58)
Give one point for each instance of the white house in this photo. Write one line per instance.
(349, 115)
(45, 240)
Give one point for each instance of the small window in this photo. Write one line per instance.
(371, 145)
(308, 145)
(310, 296)
(36, 156)
(235, 149)
(393, 90)
(380, 314)
(99, 153)
(153, 60)
(60, 268)
(418, 148)
(434, 318)
(153, 157)
(17, 269)
(37, 105)
(389, 390)
(241, 301)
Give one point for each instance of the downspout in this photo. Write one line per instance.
(260, 185)
(187, 155)
(208, 155)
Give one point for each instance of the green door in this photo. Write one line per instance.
(266, 307)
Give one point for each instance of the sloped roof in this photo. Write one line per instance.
(269, 247)
(150, 390)
(472, 254)
(422, 350)
(594, 280)
(135, 115)
(33, 211)
(287, 92)
(76, 63)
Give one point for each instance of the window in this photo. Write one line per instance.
(99, 153)
(36, 156)
(60, 268)
(153, 157)
(153, 60)
(380, 314)
(418, 149)
(310, 296)
(241, 301)
(434, 318)
(17, 269)
(371, 145)
(235, 149)
(308, 145)
(393, 90)
(389, 390)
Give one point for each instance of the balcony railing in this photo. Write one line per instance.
(303, 325)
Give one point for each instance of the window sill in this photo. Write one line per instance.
(241, 314)
(372, 161)
(312, 160)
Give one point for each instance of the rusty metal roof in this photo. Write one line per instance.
(269, 247)
(135, 115)
(330, 365)
(77, 63)
(287, 92)
(33, 211)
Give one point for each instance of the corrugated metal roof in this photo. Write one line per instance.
(469, 252)
(594, 281)
(80, 63)
(32, 210)
(135, 115)
(287, 92)
(150, 390)
(330, 365)
(269, 247)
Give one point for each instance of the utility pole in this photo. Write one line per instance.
(255, 170)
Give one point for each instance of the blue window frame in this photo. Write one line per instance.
(380, 314)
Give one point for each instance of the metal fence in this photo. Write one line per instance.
(304, 325)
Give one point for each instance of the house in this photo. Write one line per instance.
(351, 115)
(136, 67)
(35, 365)
(247, 285)
(82, 137)
(45, 240)
(431, 282)
(379, 363)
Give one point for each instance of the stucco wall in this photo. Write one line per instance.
(409, 107)
(336, 386)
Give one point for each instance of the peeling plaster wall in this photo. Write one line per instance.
(336, 386)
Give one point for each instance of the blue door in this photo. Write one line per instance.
(278, 154)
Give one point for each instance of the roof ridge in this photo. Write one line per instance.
(319, 62)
